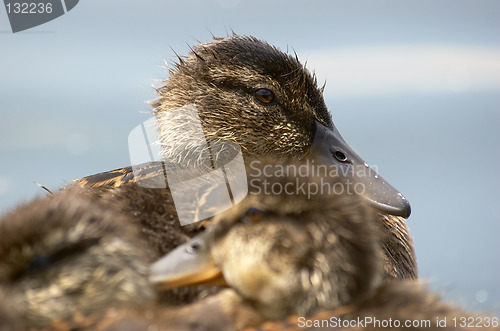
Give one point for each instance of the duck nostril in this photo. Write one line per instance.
(340, 156)
(193, 248)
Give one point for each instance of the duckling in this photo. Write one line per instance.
(251, 94)
(64, 261)
(283, 254)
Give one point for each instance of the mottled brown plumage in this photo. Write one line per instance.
(301, 256)
(152, 212)
(221, 80)
(65, 261)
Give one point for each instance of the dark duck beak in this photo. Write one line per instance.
(330, 149)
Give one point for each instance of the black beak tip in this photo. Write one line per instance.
(406, 211)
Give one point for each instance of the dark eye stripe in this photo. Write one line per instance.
(46, 260)
(265, 96)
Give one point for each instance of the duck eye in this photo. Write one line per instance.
(264, 96)
(340, 156)
(252, 215)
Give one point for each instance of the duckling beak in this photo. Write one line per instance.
(188, 264)
(330, 148)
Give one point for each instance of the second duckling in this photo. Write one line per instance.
(284, 254)
(65, 261)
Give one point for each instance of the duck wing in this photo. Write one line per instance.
(118, 177)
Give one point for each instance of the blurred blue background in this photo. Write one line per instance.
(413, 86)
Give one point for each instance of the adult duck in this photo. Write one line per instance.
(251, 94)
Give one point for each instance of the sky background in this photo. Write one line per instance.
(413, 86)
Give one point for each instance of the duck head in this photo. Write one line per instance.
(64, 258)
(283, 254)
(250, 93)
